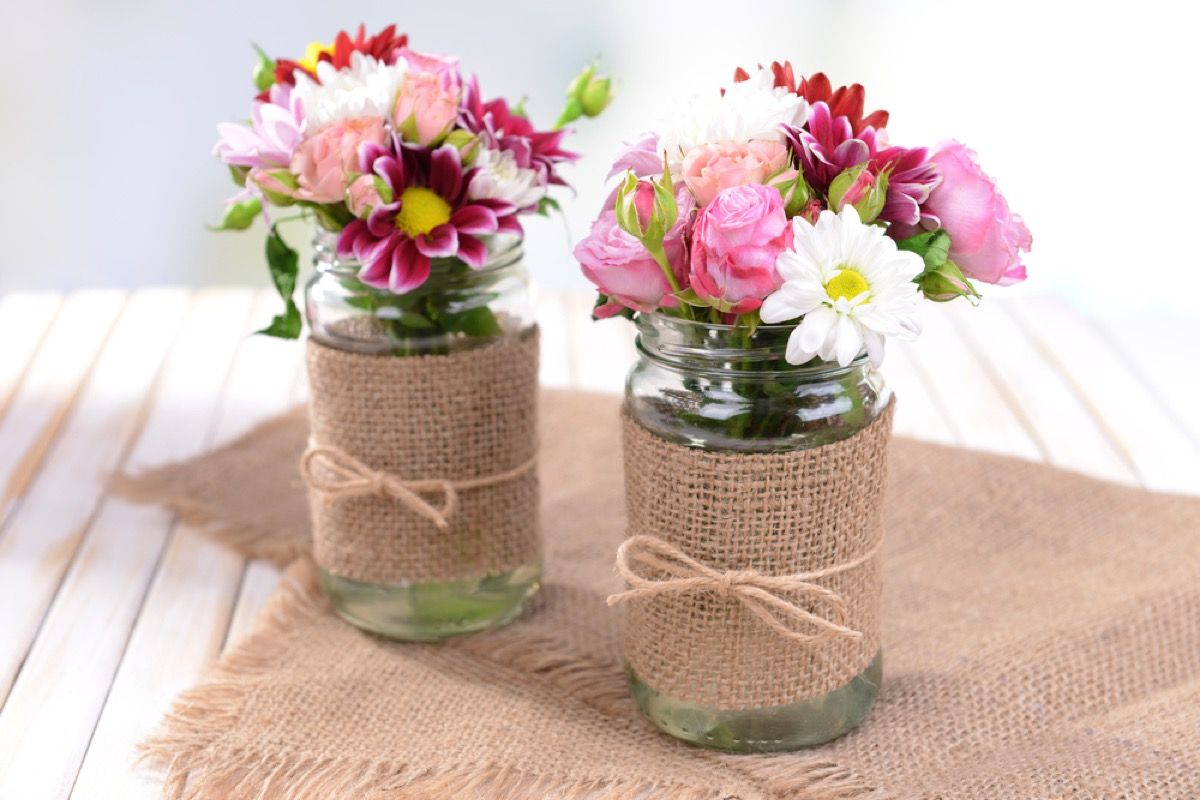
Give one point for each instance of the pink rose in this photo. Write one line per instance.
(986, 239)
(322, 161)
(362, 195)
(712, 167)
(625, 271)
(426, 107)
(735, 243)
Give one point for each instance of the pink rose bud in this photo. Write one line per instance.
(859, 187)
(426, 107)
(363, 195)
(735, 242)
(623, 269)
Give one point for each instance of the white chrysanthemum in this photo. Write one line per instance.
(500, 178)
(366, 88)
(749, 109)
(850, 284)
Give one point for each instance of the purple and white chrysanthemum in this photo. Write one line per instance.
(272, 136)
(424, 213)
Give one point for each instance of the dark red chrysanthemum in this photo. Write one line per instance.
(384, 46)
(845, 101)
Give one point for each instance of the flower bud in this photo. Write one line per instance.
(946, 283)
(588, 95)
(264, 70)
(465, 142)
(860, 188)
(646, 209)
(596, 95)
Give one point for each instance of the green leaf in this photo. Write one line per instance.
(473, 322)
(932, 246)
(238, 174)
(284, 264)
(239, 216)
(546, 205)
(330, 216)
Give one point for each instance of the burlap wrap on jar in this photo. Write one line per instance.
(416, 424)
(766, 522)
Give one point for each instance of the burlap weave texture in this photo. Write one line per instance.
(775, 514)
(1041, 632)
(467, 415)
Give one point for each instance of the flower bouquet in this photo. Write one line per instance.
(423, 353)
(396, 155)
(767, 242)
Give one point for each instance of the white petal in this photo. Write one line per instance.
(796, 354)
(874, 344)
(814, 330)
(849, 340)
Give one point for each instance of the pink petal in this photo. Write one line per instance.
(472, 251)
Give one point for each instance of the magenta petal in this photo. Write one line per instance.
(441, 242)
(346, 239)
(445, 173)
(475, 219)
(381, 221)
(511, 224)
(409, 268)
(392, 171)
(377, 267)
(472, 251)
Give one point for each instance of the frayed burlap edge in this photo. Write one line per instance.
(244, 539)
(195, 767)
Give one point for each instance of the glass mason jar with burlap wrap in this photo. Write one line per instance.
(421, 466)
(753, 489)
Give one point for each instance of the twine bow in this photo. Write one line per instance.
(762, 595)
(337, 475)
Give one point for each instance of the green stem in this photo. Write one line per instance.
(660, 257)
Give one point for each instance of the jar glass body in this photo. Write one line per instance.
(458, 308)
(721, 389)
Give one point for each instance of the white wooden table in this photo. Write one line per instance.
(108, 610)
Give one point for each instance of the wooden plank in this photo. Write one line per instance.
(24, 319)
(973, 403)
(42, 536)
(52, 710)
(1042, 397)
(601, 351)
(186, 614)
(1164, 457)
(1163, 351)
(37, 412)
(555, 356)
(917, 412)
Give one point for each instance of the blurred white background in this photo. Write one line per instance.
(1082, 111)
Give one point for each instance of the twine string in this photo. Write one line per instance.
(337, 475)
(765, 596)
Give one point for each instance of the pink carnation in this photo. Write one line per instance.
(322, 161)
(735, 242)
(712, 167)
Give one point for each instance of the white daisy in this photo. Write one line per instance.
(749, 109)
(500, 178)
(366, 88)
(851, 286)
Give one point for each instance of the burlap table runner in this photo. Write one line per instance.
(431, 421)
(769, 514)
(1041, 633)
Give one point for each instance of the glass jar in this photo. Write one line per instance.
(458, 308)
(724, 389)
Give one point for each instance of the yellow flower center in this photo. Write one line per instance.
(847, 285)
(421, 210)
(312, 55)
